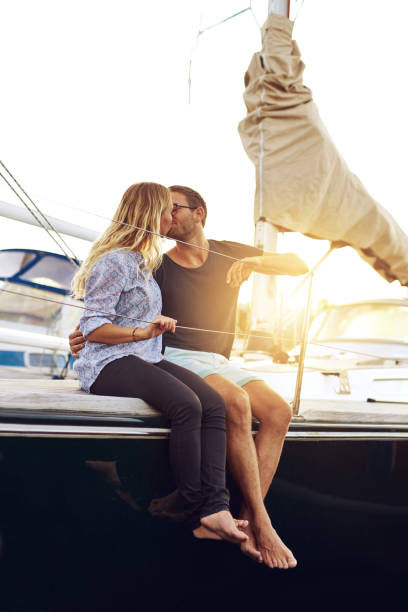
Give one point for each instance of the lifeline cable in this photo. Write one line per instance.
(110, 314)
(213, 331)
(196, 246)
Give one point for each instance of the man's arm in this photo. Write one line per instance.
(287, 264)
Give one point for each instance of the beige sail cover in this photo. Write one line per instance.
(303, 184)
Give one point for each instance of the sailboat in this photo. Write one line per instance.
(339, 497)
(34, 329)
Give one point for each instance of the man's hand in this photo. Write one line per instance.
(239, 272)
(76, 342)
(287, 264)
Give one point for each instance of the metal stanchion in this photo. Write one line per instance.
(305, 331)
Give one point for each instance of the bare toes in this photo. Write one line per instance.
(250, 551)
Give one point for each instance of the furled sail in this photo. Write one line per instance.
(303, 184)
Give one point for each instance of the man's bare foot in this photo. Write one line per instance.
(109, 474)
(222, 523)
(273, 550)
(169, 507)
(249, 548)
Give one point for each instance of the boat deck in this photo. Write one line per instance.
(59, 407)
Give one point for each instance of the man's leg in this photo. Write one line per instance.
(274, 415)
(243, 463)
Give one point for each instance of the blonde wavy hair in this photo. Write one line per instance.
(142, 205)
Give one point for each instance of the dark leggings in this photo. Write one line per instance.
(197, 418)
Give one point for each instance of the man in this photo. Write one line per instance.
(200, 289)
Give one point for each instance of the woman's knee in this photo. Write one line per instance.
(186, 410)
(215, 407)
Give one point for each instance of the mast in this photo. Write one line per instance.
(279, 7)
(265, 301)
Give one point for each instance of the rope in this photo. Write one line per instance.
(199, 329)
(71, 257)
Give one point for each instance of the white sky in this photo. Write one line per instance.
(95, 97)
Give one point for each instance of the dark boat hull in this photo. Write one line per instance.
(68, 542)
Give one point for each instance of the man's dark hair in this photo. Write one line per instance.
(193, 198)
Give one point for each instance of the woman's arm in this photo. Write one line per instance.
(272, 263)
(110, 333)
(104, 286)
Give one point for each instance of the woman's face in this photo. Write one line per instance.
(166, 219)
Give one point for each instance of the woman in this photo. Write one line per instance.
(122, 356)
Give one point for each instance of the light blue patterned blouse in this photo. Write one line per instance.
(116, 285)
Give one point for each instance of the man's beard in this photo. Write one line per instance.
(178, 233)
(173, 234)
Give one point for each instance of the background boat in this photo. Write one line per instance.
(36, 313)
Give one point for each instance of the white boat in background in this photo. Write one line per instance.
(36, 314)
(356, 364)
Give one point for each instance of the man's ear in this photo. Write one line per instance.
(199, 211)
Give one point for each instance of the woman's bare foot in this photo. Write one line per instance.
(204, 533)
(249, 548)
(273, 551)
(107, 470)
(109, 474)
(223, 524)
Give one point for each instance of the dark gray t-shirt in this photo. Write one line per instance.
(200, 297)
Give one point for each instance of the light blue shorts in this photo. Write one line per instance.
(204, 364)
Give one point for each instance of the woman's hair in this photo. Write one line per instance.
(142, 205)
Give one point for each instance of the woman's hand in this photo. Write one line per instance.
(158, 326)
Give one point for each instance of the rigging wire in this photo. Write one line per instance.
(196, 246)
(191, 244)
(41, 221)
(211, 27)
(215, 25)
(213, 331)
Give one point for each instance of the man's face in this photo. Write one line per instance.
(184, 219)
(166, 219)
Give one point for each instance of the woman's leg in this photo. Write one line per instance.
(134, 377)
(215, 495)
